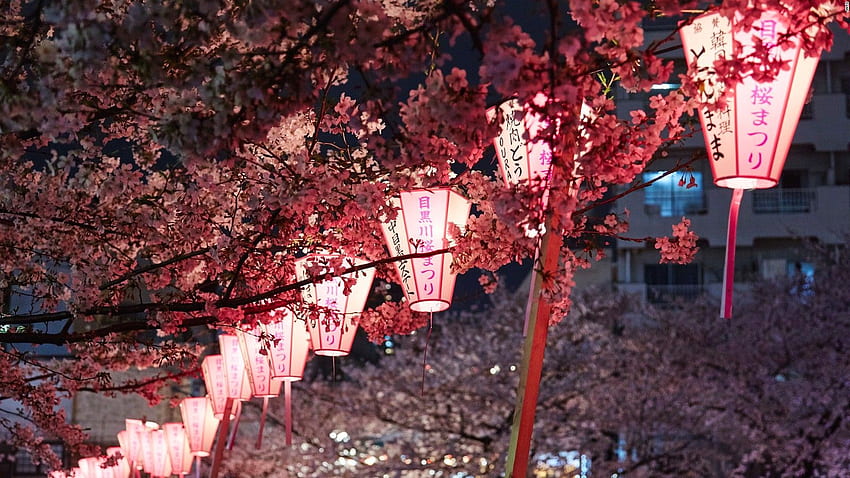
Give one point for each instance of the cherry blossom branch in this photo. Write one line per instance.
(185, 307)
(152, 267)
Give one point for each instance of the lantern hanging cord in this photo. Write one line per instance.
(425, 354)
(729, 265)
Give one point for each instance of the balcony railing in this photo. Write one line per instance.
(784, 201)
(667, 293)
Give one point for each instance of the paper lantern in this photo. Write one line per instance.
(422, 225)
(747, 140)
(90, 467)
(215, 381)
(200, 424)
(121, 468)
(289, 345)
(332, 333)
(257, 364)
(238, 385)
(523, 158)
(179, 452)
(149, 458)
(160, 465)
(132, 443)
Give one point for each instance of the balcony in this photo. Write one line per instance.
(672, 293)
(784, 201)
(822, 212)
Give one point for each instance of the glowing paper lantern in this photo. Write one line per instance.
(747, 140)
(149, 458)
(179, 452)
(200, 424)
(215, 381)
(422, 225)
(288, 346)
(160, 466)
(121, 469)
(522, 157)
(132, 443)
(333, 332)
(90, 467)
(257, 364)
(238, 385)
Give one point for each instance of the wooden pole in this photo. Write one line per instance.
(222, 438)
(287, 392)
(531, 367)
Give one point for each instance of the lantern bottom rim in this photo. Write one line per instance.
(331, 352)
(743, 182)
(288, 378)
(430, 305)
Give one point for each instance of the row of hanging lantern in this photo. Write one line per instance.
(257, 362)
(747, 143)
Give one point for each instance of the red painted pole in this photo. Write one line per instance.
(531, 367)
(729, 265)
(222, 438)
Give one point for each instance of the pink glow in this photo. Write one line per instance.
(421, 226)
(257, 364)
(747, 143)
(200, 424)
(215, 380)
(238, 385)
(122, 466)
(333, 333)
(178, 448)
(289, 345)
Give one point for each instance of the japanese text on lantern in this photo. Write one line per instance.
(398, 250)
(511, 143)
(219, 387)
(425, 229)
(235, 369)
(759, 105)
(279, 344)
(330, 321)
(717, 123)
(196, 423)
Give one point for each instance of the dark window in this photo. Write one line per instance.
(670, 282)
(666, 198)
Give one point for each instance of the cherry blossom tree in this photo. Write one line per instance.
(163, 163)
(640, 391)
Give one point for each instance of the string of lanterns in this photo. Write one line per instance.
(747, 143)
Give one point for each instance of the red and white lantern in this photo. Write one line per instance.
(748, 139)
(179, 452)
(132, 443)
(332, 333)
(257, 364)
(421, 226)
(215, 381)
(121, 469)
(289, 344)
(523, 157)
(238, 384)
(90, 467)
(200, 424)
(160, 466)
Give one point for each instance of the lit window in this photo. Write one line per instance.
(666, 198)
